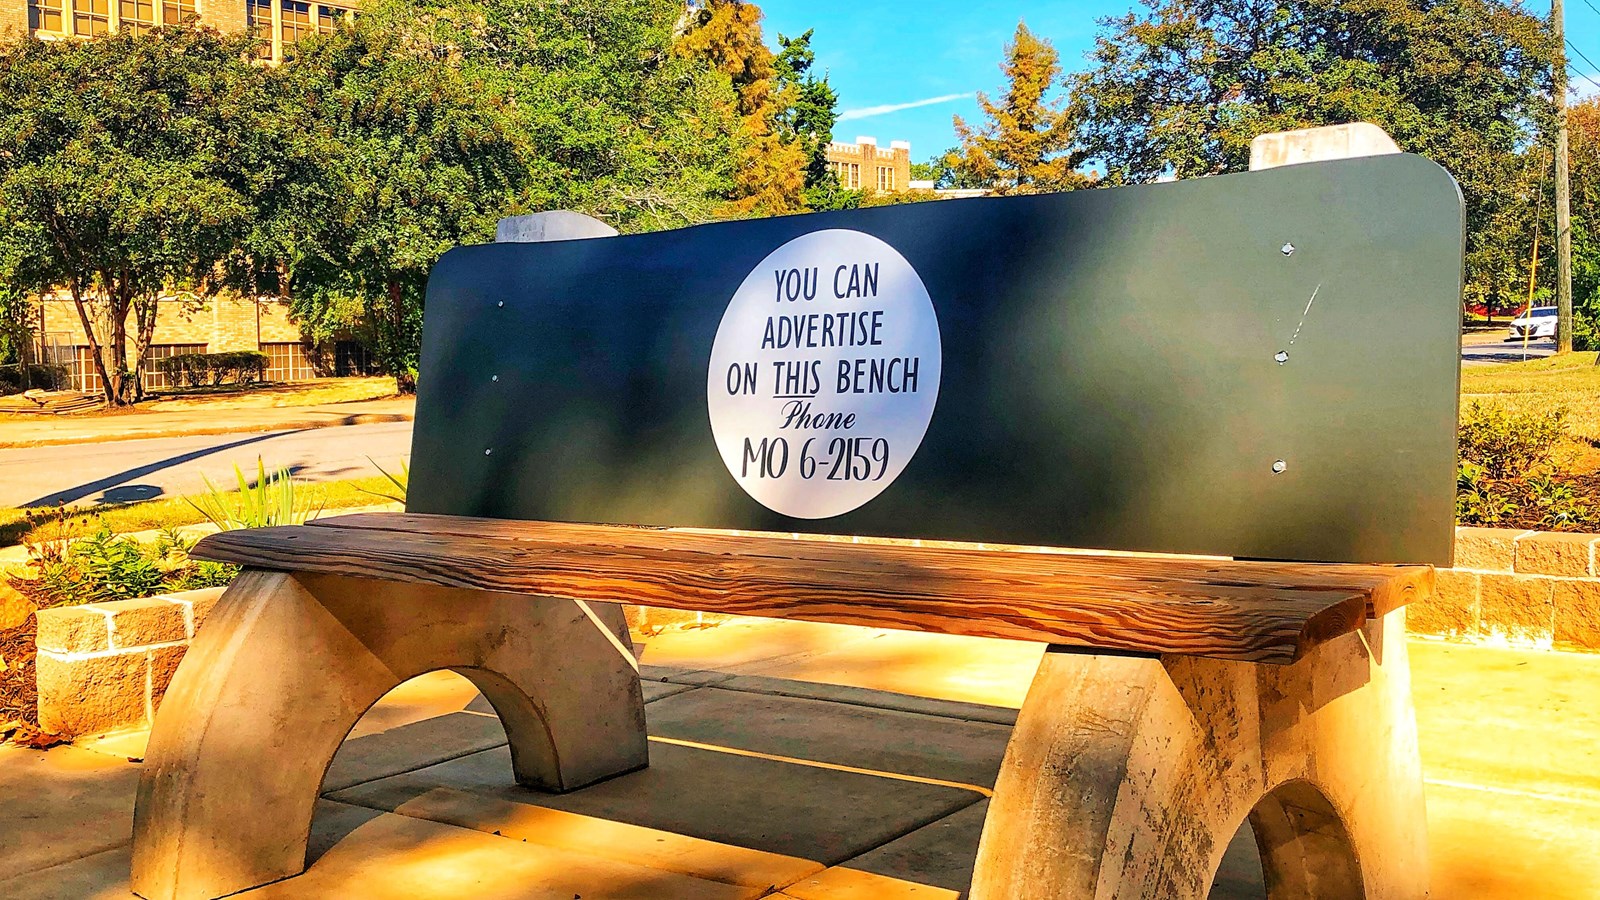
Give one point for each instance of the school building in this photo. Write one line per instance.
(213, 325)
(866, 166)
(280, 22)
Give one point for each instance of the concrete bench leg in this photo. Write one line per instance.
(1127, 776)
(286, 665)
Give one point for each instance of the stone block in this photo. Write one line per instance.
(74, 629)
(1451, 610)
(1492, 549)
(140, 623)
(197, 605)
(14, 608)
(1521, 607)
(1555, 553)
(1577, 610)
(1344, 141)
(91, 694)
(163, 663)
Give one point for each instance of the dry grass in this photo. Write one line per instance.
(1571, 381)
(19, 526)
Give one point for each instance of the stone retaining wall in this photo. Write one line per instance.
(1533, 588)
(104, 666)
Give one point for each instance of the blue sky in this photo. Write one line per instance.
(891, 53)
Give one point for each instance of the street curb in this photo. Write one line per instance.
(291, 425)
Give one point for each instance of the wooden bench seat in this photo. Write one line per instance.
(1220, 609)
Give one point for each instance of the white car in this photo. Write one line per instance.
(1536, 324)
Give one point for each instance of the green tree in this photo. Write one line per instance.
(1182, 88)
(418, 126)
(1028, 143)
(125, 175)
(769, 174)
(809, 119)
(392, 156)
(944, 172)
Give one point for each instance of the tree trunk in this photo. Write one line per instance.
(96, 347)
(144, 311)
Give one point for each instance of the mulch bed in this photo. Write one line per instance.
(1528, 515)
(19, 693)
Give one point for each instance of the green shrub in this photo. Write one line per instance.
(101, 566)
(38, 378)
(214, 369)
(269, 500)
(1585, 332)
(1477, 500)
(398, 484)
(1559, 505)
(1505, 442)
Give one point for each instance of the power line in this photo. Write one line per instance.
(1583, 56)
(1580, 73)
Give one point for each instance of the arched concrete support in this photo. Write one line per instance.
(286, 666)
(1127, 776)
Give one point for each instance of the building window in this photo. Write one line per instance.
(329, 17)
(153, 376)
(91, 17)
(258, 16)
(854, 181)
(45, 15)
(296, 20)
(289, 361)
(137, 16)
(175, 12)
(885, 178)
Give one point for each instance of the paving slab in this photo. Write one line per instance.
(879, 739)
(98, 876)
(983, 671)
(411, 747)
(1506, 718)
(62, 804)
(397, 857)
(802, 811)
(841, 883)
(416, 700)
(662, 850)
(1485, 844)
(835, 693)
(939, 854)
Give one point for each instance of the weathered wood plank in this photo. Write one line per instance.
(1076, 600)
(1387, 587)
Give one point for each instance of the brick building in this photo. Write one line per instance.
(221, 323)
(865, 166)
(280, 22)
(216, 325)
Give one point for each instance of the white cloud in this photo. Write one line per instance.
(868, 111)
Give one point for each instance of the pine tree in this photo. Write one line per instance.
(1028, 144)
(810, 118)
(769, 170)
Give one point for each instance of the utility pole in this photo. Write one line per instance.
(1563, 193)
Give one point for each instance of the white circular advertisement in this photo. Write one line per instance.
(824, 374)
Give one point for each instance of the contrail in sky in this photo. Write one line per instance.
(868, 111)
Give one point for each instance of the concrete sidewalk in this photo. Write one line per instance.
(38, 431)
(807, 761)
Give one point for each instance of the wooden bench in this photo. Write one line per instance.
(1178, 697)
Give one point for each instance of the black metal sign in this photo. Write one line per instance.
(1259, 365)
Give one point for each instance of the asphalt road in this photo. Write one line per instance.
(1492, 347)
(122, 471)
